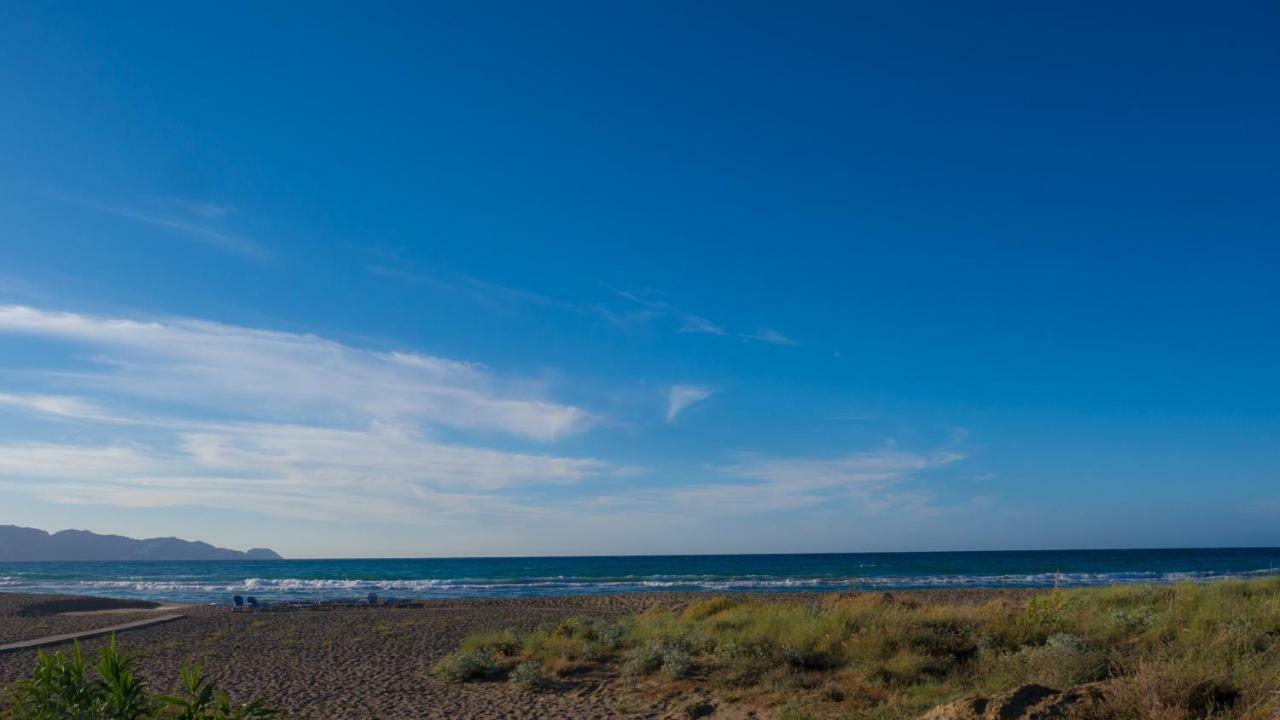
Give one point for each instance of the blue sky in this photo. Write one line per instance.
(506, 278)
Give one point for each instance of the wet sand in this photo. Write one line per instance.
(361, 662)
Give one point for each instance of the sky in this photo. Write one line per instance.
(486, 278)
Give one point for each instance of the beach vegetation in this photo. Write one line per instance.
(63, 686)
(1169, 652)
(476, 664)
(528, 675)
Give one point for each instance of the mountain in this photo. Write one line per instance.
(22, 544)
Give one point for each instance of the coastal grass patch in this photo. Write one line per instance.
(475, 664)
(1167, 652)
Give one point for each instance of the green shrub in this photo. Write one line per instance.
(642, 660)
(1062, 661)
(527, 674)
(506, 642)
(676, 662)
(478, 664)
(60, 688)
(202, 700)
(1132, 621)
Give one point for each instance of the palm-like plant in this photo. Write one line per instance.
(122, 692)
(204, 701)
(60, 688)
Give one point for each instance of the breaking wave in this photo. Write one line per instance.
(190, 587)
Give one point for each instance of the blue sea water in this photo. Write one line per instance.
(328, 580)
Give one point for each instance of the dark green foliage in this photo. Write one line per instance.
(202, 700)
(528, 675)
(479, 664)
(61, 688)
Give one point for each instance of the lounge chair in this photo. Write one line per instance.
(239, 602)
(373, 598)
(253, 602)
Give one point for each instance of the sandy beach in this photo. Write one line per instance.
(361, 662)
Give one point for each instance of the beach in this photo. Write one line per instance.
(374, 662)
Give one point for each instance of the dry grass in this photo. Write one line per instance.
(1173, 652)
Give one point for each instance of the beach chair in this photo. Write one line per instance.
(252, 602)
(239, 602)
(373, 598)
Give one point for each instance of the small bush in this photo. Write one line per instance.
(479, 664)
(507, 642)
(202, 700)
(527, 674)
(1132, 621)
(676, 662)
(1063, 660)
(61, 688)
(642, 660)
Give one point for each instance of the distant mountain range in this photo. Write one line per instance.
(18, 544)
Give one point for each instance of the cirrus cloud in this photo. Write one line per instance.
(680, 397)
(239, 369)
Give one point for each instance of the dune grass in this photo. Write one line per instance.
(1169, 652)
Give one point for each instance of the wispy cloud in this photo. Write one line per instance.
(381, 473)
(680, 397)
(687, 322)
(483, 292)
(645, 307)
(64, 406)
(772, 337)
(695, 324)
(231, 368)
(191, 218)
(852, 470)
(757, 485)
(320, 429)
(203, 208)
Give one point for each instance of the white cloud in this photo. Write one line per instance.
(696, 324)
(64, 406)
(759, 485)
(319, 429)
(772, 337)
(381, 473)
(285, 375)
(854, 469)
(682, 396)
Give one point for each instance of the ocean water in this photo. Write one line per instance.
(329, 580)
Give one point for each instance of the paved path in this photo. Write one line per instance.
(68, 637)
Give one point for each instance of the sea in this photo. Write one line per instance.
(353, 580)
